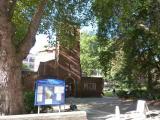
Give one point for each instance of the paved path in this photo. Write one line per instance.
(103, 108)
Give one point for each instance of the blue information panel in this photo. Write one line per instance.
(49, 92)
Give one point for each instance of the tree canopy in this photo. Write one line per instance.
(58, 18)
(128, 33)
(89, 51)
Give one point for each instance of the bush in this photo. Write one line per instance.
(108, 94)
(140, 94)
(29, 102)
(122, 94)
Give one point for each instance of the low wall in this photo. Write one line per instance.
(77, 115)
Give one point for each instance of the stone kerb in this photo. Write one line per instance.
(77, 115)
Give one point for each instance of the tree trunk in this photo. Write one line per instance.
(150, 83)
(11, 100)
(11, 97)
(11, 94)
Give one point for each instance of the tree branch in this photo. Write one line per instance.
(32, 30)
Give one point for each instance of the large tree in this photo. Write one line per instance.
(19, 22)
(129, 38)
(89, 54)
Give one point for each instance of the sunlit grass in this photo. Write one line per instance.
(108, 94)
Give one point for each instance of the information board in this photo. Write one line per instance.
(49, 92)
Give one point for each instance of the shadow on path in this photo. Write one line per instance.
(101, 108)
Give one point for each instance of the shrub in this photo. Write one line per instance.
(108, 94)
(29, 102)
(122, 94)
(139, 94)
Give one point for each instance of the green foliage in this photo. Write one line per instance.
(25, 67)
(89, 53)
(29, 102)
(60, 16)
(128, 33)
(68, 34)
(64, 18)
(137, 94)
(108, 94)
(21, 19)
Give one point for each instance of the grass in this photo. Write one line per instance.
(108, 94)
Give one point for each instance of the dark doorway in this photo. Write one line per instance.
(70, 87)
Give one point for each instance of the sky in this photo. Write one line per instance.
(41, 41)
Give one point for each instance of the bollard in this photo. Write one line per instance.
(117, 113)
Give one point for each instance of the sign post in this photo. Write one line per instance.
(38, 109)
(49, 92)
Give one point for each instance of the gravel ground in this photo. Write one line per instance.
(104, 108)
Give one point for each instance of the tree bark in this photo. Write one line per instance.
(11, 93)
(11, 101)
(11, 97)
